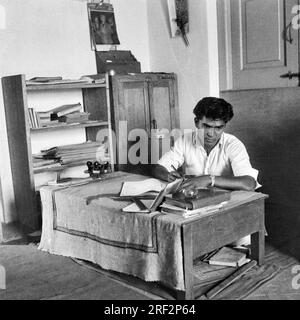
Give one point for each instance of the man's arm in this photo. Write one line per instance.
(160, 172)
(247, 183)
(245, 177)
(232, 183)
(171, 160)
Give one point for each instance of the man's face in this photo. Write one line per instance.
(210, 130)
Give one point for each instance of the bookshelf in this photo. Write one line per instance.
(16, 97)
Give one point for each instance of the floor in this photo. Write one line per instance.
(33, 274)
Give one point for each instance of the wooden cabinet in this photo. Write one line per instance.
(16, 94)
(144, 105)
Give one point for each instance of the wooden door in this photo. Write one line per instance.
(258, 43)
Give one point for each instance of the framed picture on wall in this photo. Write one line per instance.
(103, 29)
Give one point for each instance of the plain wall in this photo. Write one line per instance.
(196, 65)
(49, 38)
(268, 126)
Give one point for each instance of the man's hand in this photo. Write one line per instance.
(173, 175)
(196, 182)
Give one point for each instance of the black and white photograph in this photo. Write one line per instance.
(150, 153)
(103, 26)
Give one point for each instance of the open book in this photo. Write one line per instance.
(141, 188)
(135, 188)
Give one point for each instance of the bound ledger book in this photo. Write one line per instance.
(228, 257)
(203, 198)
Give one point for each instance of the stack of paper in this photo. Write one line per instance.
(38, 163)
(80, 152)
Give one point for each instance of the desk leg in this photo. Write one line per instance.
(187, 240)
(258, 246)
(180, 295)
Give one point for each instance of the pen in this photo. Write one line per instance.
(175, 169)
(182, 175)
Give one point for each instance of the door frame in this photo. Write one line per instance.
(224, 44)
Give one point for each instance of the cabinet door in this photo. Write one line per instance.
(131, 117)
(163, 101)
(163, 112)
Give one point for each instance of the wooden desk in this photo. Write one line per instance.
(154, 247)
(218, 229)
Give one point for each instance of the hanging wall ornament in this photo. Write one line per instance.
(182, 19)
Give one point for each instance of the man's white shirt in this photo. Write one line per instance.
(228, 158)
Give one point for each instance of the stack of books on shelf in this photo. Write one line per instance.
(64, 114)
(40, 163)
(76, 153)
(205, 201)
(77, 117)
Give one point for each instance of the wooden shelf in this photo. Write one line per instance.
(79, 85)
(71, 126)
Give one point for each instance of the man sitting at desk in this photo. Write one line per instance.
(209, 156)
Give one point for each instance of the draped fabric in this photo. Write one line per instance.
(144, 245)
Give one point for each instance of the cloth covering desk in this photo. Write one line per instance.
(154, 247)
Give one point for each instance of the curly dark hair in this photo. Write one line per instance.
(213, 108)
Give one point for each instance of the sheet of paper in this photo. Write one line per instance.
(134, 188)
(170, 206)
(133, 207)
